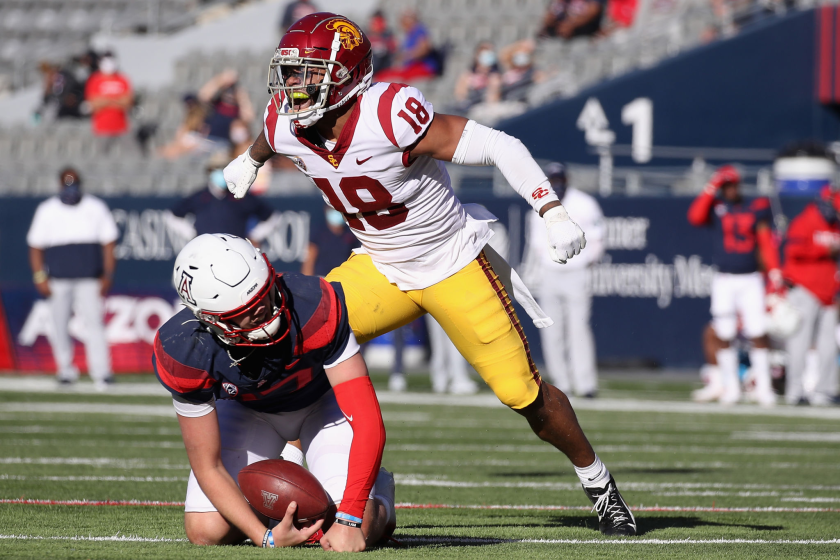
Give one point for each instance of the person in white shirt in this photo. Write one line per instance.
(563, 290)
(71, 252)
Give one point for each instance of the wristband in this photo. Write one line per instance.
(251, 160)
(347, 522)
(39, 276)
(348, 517)
(268, 539)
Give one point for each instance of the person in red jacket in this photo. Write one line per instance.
(110, 97)
(741, 227)
(811, 251)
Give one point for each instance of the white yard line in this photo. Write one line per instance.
(818, 437)
(110, 462)
(735, 449)
(469, 540)
(48, 384)
(95, 478)
(90, 408)
(115, 538)
(614, 542)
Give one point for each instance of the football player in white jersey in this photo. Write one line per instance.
(376, 152)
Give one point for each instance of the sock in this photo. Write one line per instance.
(595, 475)
(727, 359)
(292, 454)
(760, 362)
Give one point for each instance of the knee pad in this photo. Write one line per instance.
(725, 327)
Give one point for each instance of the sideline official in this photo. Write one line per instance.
(563, 290)
(71, 252)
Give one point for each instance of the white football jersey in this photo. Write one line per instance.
(406, 215)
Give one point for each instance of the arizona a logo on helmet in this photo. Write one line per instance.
(349, 36)
(185, 288)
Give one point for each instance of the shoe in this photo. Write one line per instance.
(821, 399)
(766, 399)
(397, 383)
(590, 395)
(463, 387)
(709, 393)
(64, 383)
(385, 488)
(730, 396)
(614, 517)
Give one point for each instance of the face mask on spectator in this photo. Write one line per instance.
(487, 58)
(108, 65)
(334, 217)
(71, 194)
(521, 59)
(239, 135)
(217, 180)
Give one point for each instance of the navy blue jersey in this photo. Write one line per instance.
(735, 240)
(194, 364)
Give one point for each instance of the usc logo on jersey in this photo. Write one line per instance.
(333, 161)
(349, 36)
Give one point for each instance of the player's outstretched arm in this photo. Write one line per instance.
(357, 400)
(241, 173)
(203, 444)
(466, 142)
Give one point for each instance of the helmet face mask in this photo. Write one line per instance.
(231, 288)
(322, 62)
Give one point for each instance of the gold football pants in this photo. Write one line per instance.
(472, 306)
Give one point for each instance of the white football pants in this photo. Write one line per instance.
(738, 295)
(819, 322)
(568, 346)
(82, 296)
(249, 436)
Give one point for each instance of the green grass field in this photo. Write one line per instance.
(745, 484)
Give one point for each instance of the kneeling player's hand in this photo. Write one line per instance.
(241, 173)
(341, 538)
(286, 534)
(565, 238)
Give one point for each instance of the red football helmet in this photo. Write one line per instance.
(322, 61)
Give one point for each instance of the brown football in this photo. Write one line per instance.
(269, 486)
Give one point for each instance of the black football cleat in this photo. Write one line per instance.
(614, 517)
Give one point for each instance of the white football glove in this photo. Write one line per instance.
(565, 238)
(241, 173)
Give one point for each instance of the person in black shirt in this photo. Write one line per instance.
(217, 211)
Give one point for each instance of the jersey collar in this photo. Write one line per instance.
(334, 156)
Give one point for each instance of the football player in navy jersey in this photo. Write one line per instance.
(742, 233)
(258, 359)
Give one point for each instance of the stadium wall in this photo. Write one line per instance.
(755, 90)
(651, 290)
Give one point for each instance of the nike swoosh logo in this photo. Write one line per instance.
(361, 161)
(349, 418)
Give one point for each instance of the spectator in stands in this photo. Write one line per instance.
(811, 252)
(329, 246)
(622, 13)
(191, 136)
(109, 94)
(515, 83)
(215, 210)
(383, 45)
(481, 82)
(71, 252)
(226, 101)
(572, 18)
(520, 72)
(563, 290)
(63, 94)
(294, 11)
(417, 58)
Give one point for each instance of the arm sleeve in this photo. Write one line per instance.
(108, 231)
(698, 212)
(404, 115)
(37, 236)
(480, 145)
(358, 402)
(768, 248)
(183, 407)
